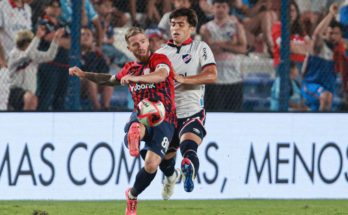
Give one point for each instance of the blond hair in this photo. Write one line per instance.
(23, 38)
(132, 32)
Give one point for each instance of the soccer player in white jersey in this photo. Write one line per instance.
(194, 64)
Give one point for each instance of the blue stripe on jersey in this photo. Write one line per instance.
(321, 71)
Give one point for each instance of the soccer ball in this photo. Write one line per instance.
(150, 113)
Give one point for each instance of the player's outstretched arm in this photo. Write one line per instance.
(98, 78)
(207, 76)
(159, 75)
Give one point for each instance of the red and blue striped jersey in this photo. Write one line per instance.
(163, 91)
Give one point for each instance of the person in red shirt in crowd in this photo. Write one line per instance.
(298, 38)
(298, 49)
(152, 77)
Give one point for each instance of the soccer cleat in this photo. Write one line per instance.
(188, 173)
(133, 138)
(131, 208)
(169, 184)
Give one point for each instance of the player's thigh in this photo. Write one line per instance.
(159, 138)
(193, 128)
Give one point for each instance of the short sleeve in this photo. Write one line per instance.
(206, 56)
(159, 59)
(90, 11)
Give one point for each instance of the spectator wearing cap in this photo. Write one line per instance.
(156, 38)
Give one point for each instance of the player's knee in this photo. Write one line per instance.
(150, 166)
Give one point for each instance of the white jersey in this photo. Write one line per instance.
(188, 60)
(12, 20)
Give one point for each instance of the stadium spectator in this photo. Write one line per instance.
(325, 59)
(312, 11)
(164, 24)
(156, 9)
(152, 77)
(14, 16)
(92, 17)
(22, 65)
(299, 47)
(114, 56)
(134, 9)
(194, 65)
(227, 38)
(295, 102)
(52, 76)
(298, 38)
(258, 17)
(156, 38)
(94, 61)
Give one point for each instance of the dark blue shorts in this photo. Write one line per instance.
(192, 124)
(156, 139)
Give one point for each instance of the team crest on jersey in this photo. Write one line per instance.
(186, 58)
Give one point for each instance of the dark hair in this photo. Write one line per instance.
(52, 3)
(221, 1)
(335, 24)
(189, 13)
(296, 27)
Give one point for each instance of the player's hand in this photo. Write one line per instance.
(179, 78)
(127, 79)
(75, 71)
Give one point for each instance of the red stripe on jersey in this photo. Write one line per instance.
(163, 91)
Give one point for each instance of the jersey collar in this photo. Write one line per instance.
(186, 42)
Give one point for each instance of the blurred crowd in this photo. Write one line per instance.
(244, 35)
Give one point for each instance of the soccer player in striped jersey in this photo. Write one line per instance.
(194, 65)
(152, 77)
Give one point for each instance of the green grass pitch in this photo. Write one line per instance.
(178, 207)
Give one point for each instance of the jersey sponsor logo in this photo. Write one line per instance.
(187, 58)
(139, 87)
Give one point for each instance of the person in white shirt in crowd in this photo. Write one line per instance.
(23, 66)
(228, 40)
(9, 26)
